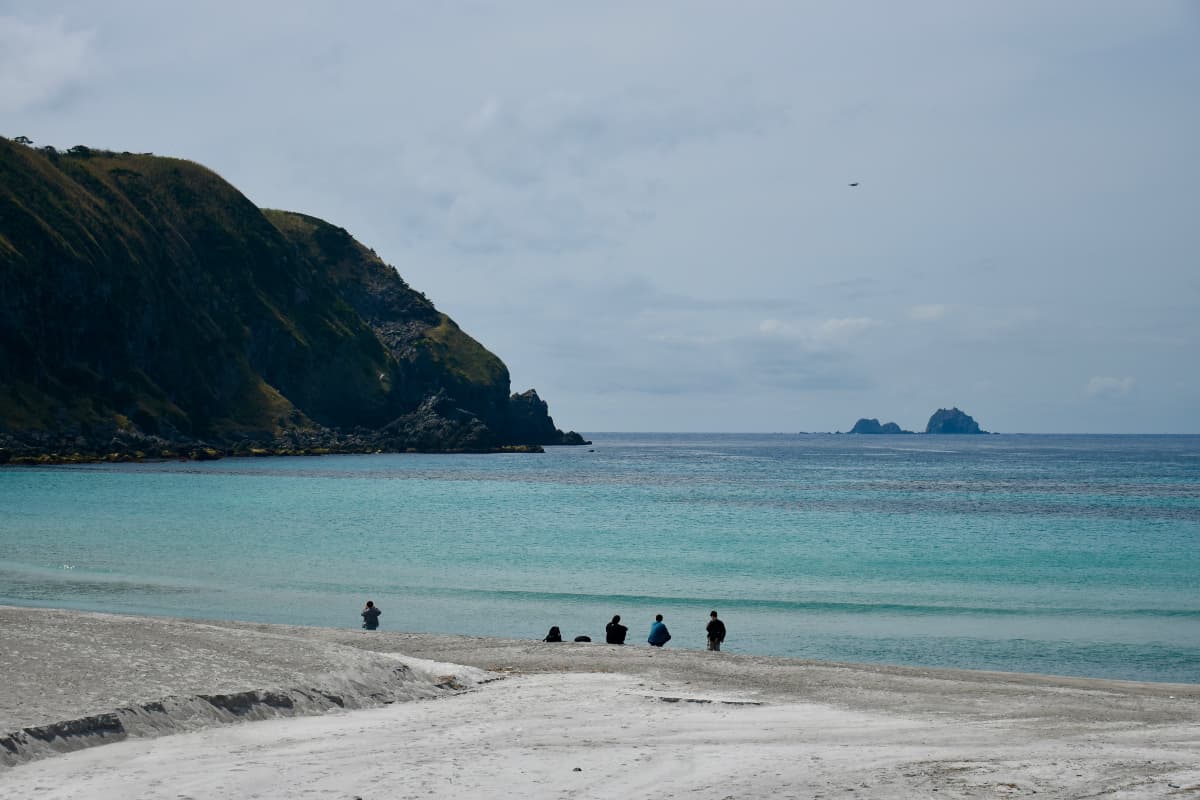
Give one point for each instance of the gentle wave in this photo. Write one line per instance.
(1073, 541)
(811, 606)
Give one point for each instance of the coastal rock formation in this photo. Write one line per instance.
(531, 422)
(952, 420)
(149, 309)
(872, 426)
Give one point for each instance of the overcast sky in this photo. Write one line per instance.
(644, 209)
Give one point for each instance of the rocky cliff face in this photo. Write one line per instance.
(147, 305)
(530, 419)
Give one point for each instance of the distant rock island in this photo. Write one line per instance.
(149, 310)
(873, 426)
(951, 420)
(943, 421)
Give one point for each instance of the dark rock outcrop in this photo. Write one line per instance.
(149, 310)
(872, 426)
(951, 420)
(530, 419)
(867, 426)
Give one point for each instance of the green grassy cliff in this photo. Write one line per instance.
(146, 304)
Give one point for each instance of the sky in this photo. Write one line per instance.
(645, 209)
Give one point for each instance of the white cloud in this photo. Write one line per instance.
(928, 313)
(38, 61)
(485, 116)
(557, 171)
(654, 195)
(819, 335)
(559, 133)
(1107, 386)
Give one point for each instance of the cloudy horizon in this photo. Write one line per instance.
(646, 210)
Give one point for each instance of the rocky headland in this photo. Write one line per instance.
(149, 310)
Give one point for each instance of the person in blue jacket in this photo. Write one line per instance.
(659, 635)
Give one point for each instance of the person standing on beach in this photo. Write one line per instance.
(370, 616)
(659, 635)
(716, 632)
(614, 632)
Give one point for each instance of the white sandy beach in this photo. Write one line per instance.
(527, 719)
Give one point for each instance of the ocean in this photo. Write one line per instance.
(1067, 555)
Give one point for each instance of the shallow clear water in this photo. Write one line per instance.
(1073, 555)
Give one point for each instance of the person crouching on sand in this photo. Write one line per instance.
(370, 616)
(716, 632)
(614, 632)
(659, 635)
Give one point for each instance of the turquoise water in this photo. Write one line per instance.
(1075, 555)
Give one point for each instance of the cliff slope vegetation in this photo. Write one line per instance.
(146, 303)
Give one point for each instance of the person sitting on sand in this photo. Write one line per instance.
(554, 635)
(370, 616)
(614, 632)
(659, 635)
(716, 632)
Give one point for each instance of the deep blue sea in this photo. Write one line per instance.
(1071, 555)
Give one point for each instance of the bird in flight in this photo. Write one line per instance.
(854, 184)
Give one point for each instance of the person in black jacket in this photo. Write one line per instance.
(716, 632)
(555, 635)
(614, 632)
(370, 616)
